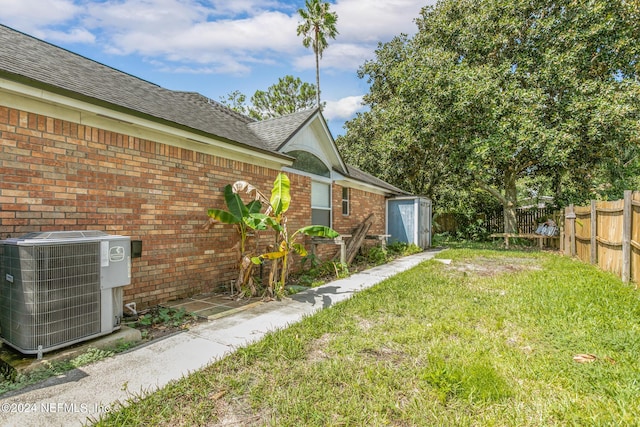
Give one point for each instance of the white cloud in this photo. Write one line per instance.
(185, 36)
(227, 36)
(234, 36)
(32, 15)
(336, 57)
(74, 35)
(248, 7)
(154, 17)
(343, 109)
(370, 21)
(230, 66)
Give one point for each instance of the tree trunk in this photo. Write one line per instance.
(317, 52)
(318, 81)
(509, 199)
(510, 203)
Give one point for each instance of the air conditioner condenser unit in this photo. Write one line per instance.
(62, 287)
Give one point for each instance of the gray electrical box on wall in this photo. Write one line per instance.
(61, 287)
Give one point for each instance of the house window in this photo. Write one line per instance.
(320, 176)
(320, 203)
(345, 201)
(308, 162)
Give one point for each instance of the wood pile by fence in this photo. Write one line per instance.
(606, 233)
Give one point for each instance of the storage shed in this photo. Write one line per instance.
(409, 220)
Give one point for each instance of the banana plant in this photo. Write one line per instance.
(245, 217)
(279, 203)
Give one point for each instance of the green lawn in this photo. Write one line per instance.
(488, 340)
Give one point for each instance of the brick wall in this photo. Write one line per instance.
(58, 175)
(362, 203)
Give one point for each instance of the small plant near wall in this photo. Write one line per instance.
(286, 243)
(319, 272)
(247, 217)
(403, 249)
(376, 255)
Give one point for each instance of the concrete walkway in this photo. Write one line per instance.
(86, 393)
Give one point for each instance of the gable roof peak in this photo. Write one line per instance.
(275, 132)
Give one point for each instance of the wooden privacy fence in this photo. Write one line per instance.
(606, 234)
(527, 219)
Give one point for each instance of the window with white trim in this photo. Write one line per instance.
(345, 201)
(320, 203)
(320, 186)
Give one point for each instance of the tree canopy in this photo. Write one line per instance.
(287, 96)
(492, 92)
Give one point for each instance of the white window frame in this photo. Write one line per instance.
(320, 179)
(346, 202)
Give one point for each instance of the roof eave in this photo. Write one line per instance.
(129, 111)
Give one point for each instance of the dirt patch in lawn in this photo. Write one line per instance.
(487, 267)
(236, 412)
(317, 349)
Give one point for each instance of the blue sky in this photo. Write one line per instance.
(217, 46)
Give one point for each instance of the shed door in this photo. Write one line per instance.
(401, 221)
(424, 223)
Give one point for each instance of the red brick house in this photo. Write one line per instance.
(86, 147)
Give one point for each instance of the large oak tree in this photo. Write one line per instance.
(490, 92)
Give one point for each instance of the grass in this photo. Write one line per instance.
(56, 368)
(488, 340)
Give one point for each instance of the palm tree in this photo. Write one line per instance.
(318, 24)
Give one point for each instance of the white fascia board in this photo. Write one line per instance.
(334, 147)
(359, 185)
(39, 101)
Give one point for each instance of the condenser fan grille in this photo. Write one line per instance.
(53, 296)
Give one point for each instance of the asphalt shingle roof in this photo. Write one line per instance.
(276, 132)
(26, 59)
(359, 175)
(70, 73)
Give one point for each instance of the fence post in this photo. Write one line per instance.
(594, 233)
(626, 237)
(560, 217)
(570, 215)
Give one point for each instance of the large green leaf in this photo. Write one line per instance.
(280, 194)
(258, 221)
(235, 204)
(319, 231)
(223, 216)
(254, 206)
